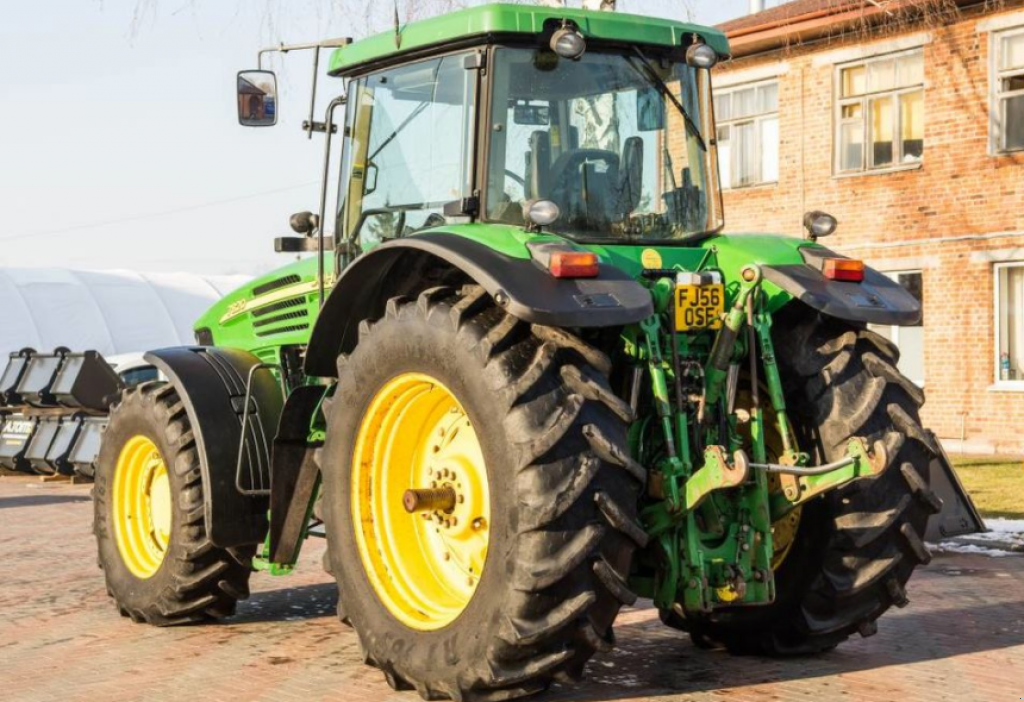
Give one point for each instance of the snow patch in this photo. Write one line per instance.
(957, 547)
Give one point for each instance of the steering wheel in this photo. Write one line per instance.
(516, 177)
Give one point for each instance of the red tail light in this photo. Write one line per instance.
(573, 264)
(847, 269)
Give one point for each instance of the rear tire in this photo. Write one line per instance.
(190, 579)
(563, 497)
(856, 547)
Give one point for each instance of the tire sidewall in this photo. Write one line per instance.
(431, 346)
(132, 418)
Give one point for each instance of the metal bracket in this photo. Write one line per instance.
(320, 127)
(716, 474)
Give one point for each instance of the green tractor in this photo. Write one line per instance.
(527, 380)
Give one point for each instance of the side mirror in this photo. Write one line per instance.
(257, 98)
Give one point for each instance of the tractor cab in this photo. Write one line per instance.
(615, 139)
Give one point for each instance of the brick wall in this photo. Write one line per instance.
(950, 218)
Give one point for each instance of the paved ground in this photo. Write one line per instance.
(962, 637)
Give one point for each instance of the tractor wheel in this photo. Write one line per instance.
(478, 489)
(149, 522)
(845, 557)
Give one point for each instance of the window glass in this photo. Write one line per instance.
(854, 81)
(768, 98)
(912, 126)
(882, 101)
(1010, 311)
(852, 110)
(725, 155)
(1009, 98)
(605, 139)
(746, 155)
(749, 135)
(1013, 51)
(743, 103)
(881, 76)
(910, 70)
(723, 106)
(410, 148)
(1014, 120)
(881, 131)
(851, 146)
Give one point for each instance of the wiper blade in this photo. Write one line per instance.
(412, 115)
(655, 79)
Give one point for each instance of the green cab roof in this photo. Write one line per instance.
(520, 19)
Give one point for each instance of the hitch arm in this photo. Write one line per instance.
(800, 484)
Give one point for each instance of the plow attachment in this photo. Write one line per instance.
(53, 409)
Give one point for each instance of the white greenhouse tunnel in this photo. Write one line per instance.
(114, 312)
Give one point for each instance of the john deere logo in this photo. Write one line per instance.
(650, 258)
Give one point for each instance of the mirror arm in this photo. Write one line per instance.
(329, 122)
(308, 125)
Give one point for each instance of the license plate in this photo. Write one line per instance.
(699, 307)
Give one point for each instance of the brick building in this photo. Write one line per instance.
(905, 120)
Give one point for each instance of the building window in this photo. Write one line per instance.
(880, 113)
(1008, 48)
(909, 340)
(748, 134)
(1010, 324)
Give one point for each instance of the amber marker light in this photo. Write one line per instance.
(573, 264)
(848, 269)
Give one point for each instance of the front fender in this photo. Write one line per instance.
(521, 286)
(211, 383)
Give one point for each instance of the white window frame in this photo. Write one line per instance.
(997, 116)
(838, 102)
(756, 119)
(1000, 384)
(895, 329)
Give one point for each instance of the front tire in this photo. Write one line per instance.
(159, 564)
(561, 505)
(855, 548)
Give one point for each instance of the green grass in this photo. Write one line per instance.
(995, 483)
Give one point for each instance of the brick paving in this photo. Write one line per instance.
(961, 639)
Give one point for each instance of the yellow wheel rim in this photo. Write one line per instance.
(141, 506)
(424, 565)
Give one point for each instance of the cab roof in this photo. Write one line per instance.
(499, 18)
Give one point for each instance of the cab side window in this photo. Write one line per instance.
(405, 156)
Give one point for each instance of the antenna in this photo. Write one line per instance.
(398, 31)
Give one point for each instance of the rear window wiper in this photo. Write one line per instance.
(653, 77)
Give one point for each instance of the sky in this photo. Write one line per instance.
(119, 141)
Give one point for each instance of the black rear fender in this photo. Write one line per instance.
(877, 299)
(521, 286)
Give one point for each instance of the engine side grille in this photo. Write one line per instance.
(275, 284)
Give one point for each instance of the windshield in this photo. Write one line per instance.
(619, 141)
